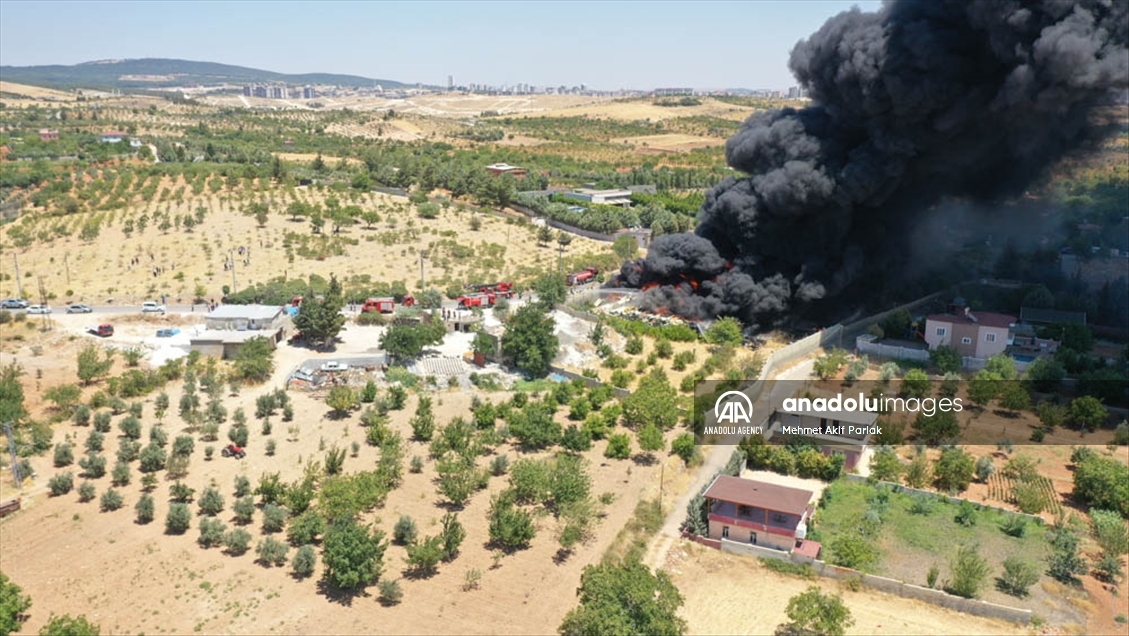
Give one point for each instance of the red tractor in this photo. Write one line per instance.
(231, 450)
(581, 277)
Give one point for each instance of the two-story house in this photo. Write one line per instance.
(978, 334)
(758, 513)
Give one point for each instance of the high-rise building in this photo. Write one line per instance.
(450, 83)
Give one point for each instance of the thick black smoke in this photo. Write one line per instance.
(922, 100)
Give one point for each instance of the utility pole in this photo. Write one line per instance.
(422, 280)
(231, 255)
(19, 281)
(43, 301)
(560, 259)
(67, 267)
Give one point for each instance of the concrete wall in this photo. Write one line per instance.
(734, 547)
(935, 597)
(741, 535)
(590, 382)
(865, 345)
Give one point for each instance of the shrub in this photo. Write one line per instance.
(271, 551)
(966, 513)
(93, 466)
(305, 528)
(121, 473)
(968, 571)
(274, 518)
(211, 502)
(510, 526)
(390, 592)
(424, 556)
(499, 465)
(576, 439)
(304, 561)
(404, 531)
(86, 492)
(619, 446)
(178, 518)
(64, 456)
(244, 509)
(95, 441)
(211, 532)
(237, 541)
(1014, 526)
(854, 551)
(144, 508)
(684, 446)
(1018, 576)
(1110, 531)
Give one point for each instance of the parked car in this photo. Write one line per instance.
(39, 309)
(167, 333)
(104, 330)
(14, 303)
(150, 307)
(79, 309)
(334, 366)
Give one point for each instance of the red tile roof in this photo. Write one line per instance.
(810, 549)
(748, 492)
(986, 318)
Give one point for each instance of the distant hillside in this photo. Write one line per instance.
(157, 72)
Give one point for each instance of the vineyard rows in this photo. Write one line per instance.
(1002, 488)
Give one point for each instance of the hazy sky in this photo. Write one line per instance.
(602, 44)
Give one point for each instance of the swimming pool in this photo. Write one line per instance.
(1023, 358)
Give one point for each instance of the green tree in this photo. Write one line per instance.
(1102, 482)
(178, 519)
(1014, 397)
(1110, 531)
(254, 359)
(935, 429)
(625, 598)
(984, 387)
(919, 471)
(1018, 576)
(453, 535)
(551, 289)
(341, 399)
(529, 339)
(11, 394)
(653, 402)
(67, 625)
(144, 508)
(1087, 412)
(353, 555)
(405, 341)
(423, 422)
(510, 527)
(813, 612)
(405, 531)
(915, 383)
(271, 551)
(946, 359)
(885, 465)
(619, 446)
(13, 605)
(650, 439)
(954, 470)
(1002, 365)
(92, 364)
(1045, 375)
(210, 502)
(320, 320)
(424, 556)
(727, 330)
(968, 571)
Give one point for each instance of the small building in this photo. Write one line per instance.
(603, 197)
(978, 334)
(227, 327)
(134, 142)
(498, 169)
(113, 137)
(845, 433)
(758, 513)
(48, 135)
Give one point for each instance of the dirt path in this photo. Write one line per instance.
(715, 460)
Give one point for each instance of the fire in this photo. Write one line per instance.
(650, 285)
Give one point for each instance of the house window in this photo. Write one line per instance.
(989, 337)
(743, 511)
(941, 331)
(966, 340)
(724, 532)
(779, 518)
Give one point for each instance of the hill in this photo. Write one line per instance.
(160, 72)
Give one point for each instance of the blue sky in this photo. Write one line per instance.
(602, 44)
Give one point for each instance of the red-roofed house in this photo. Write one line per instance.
(113, 136)
(758, 513)
(979, 334)
(48, 135)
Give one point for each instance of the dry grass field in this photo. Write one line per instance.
(387, 252)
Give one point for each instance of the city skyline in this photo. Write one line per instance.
(605, 46)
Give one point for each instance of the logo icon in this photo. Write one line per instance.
(732, 407)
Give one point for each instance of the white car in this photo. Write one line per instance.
(334, 366)
(39, 309)
(150, 307)
(14, 303)
(79, 309)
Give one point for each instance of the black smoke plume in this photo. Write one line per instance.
(922, 101)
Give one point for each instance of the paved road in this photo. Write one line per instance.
(714, 461)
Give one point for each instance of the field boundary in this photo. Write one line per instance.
(936, 495)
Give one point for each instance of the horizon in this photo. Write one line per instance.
(590, 50)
